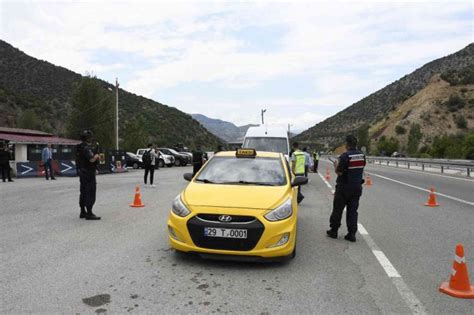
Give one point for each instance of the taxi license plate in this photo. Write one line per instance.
(226, 233)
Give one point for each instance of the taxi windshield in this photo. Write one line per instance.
(243, 171)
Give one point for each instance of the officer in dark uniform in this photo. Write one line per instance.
(4, 162)
(86, 163)
(198, 157)
(350, 170)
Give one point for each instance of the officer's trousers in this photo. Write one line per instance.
(5, 171)
(196, 167)
(88, 189)
(346, 196)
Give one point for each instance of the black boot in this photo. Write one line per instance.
(91, 216)
(83, 214)
(332, 233)
(350, 237)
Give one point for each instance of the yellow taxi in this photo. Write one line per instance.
(241, 205)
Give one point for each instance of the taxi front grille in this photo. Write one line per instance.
(235, 218)
(254, 231)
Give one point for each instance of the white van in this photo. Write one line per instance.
(271, 139)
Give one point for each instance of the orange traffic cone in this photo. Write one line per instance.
(328, 175)
(368, 180)
(458, 286)
(432, 199)
(137, 201)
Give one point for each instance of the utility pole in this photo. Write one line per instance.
(289, 131)
(263, 112)
(116, 115)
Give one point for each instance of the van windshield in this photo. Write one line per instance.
(267, 144)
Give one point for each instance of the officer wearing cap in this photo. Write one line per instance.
(86, 163)
(350, 170)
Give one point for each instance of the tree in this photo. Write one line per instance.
(92, 108)
(29, 120)
(135, 136)
(414, 138)
(387, 147)
(363, 136)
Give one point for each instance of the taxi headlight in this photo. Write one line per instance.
(283, 212)
(179, 208)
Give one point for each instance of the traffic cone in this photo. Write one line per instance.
(137, 201)
(368, 180)
(328, 175)
(458, 286)
(432, 199)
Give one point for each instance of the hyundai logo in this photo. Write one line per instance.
(225, 218)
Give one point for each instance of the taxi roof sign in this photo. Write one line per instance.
(245, 153)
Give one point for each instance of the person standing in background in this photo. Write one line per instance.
(149, 160)
(308, 163)
(315, 161)
(4, 162)
(47, 158)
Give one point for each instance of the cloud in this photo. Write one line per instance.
(324, 55)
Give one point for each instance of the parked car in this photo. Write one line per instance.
(164, 159)
(181, 159)
(184, 151)
(133, 160)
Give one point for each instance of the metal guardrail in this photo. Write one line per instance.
(443, 164)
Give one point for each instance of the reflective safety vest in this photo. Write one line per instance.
(300, 160)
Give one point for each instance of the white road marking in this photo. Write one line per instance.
(362, 229)
(386, 264)
(421, 172)
(422, 189)
(407, 295)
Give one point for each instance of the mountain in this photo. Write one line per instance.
(382, 105)
(223, 129)
(35, 88)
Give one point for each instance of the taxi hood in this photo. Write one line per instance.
(235, 196)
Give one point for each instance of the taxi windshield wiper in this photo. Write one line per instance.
(205, 180)
(244, 182)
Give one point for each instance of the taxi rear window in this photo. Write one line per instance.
(237, 171)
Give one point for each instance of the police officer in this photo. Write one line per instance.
(4, 162)
(298, 162)
(349, 169)
(86, 163)
(315, 161)
(198, 158)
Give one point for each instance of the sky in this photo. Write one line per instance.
(302, 61)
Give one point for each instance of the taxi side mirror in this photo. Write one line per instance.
(188, 176)
(299, 181)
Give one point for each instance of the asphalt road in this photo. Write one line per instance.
(54, 262)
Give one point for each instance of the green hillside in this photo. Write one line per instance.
(37, 92)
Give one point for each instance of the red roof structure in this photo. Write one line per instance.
(28, 136)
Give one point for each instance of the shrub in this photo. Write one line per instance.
(461, 122)
(454, 103)
(400, 130)
(387, 147)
